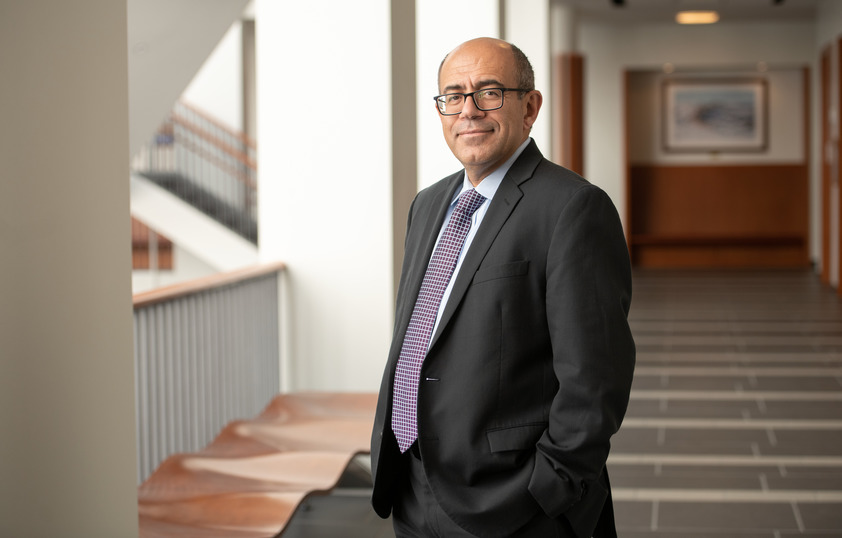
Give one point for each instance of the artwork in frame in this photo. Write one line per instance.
(714, 115)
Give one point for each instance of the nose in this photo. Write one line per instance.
(469, 107)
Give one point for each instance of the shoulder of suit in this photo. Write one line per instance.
(549, 167)
(441, 187)
(549, 175)
(533, 165)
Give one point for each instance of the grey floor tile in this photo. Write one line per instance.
(831, 410)
(723, 518)
(632, 515)
(806, 442)
(677, 533)
(822, 516)
(689, 477)
(705, 409)
(818, 383)
(820, 482)
(708, 441)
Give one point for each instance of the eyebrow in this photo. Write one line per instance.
(480, 84)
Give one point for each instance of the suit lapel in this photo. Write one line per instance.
(505, 199)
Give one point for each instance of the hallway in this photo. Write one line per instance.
(735, 422)
(734, 427)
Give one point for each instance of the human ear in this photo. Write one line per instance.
(532, 106)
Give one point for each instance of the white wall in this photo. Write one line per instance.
(324, 129)
(218, 86)
(603, 117)
(186, 267)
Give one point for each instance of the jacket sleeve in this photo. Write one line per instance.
(588, 297)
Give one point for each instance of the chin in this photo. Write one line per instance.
(471, 159)
(479, 154)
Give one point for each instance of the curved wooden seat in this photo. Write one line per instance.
(250, 480)
(327, 405)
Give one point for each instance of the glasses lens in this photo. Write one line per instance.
(451, 103)
(489, 99)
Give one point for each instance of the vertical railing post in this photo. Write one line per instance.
(203, 358)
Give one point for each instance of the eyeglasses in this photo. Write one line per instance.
(451, 104)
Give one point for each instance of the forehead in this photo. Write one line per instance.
(475, 64)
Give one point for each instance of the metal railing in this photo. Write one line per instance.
(206, 353)
(207, 164)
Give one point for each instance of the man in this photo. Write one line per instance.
(507, 378)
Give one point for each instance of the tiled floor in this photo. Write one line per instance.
(735, 423)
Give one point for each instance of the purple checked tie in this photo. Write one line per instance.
(423, 318)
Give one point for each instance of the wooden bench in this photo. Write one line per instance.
(251, 479)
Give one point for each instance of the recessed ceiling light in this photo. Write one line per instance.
(696, 17)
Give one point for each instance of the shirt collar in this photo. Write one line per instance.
(488, 186)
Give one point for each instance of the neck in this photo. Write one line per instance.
(473, 181)
(479, 172)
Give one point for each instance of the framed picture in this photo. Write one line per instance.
(714, 115)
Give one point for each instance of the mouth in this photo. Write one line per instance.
(475, 132)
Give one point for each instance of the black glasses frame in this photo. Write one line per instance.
(440, 104)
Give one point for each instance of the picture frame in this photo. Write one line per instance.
(714, 115)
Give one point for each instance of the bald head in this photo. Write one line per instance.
(524, 73)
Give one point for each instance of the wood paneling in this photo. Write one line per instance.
(570, 111)
(825, 163)
(836, 170)
(719, 216)
(141, 244)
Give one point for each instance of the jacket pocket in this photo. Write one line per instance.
(515, 438)
(506, 270)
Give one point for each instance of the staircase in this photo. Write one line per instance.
(206, 165)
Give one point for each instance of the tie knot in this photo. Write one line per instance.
(469, 201)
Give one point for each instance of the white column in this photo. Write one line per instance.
(527, 24)
(604, 126)
(67, 447)
(563, 29)
(441, 26)
(324, 131)
(563, 45)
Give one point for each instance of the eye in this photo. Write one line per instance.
(490, 94)
(453, 98)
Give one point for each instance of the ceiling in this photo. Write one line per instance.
(665, 10)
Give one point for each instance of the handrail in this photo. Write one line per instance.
(167, 293)
(228, 150)
(242, 137)
(239, 156)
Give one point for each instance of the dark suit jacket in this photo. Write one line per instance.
(528, 374)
